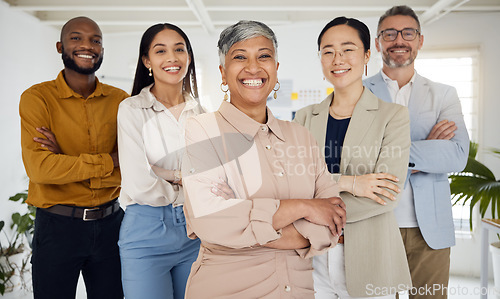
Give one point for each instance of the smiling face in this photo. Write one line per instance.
(250, 71)
(81, 46)
(342, 56)
(168, 58)
(400, 52)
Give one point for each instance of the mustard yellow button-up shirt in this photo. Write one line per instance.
(84, 175)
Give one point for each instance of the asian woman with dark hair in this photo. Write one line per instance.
(366, 144)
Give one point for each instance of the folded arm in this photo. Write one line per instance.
(140, 181)
(443, 155)
(46, 167)
(256, 221)
(393, 158)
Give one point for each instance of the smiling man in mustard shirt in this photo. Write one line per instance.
(74, 179)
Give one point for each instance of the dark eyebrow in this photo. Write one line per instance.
(79, 33)
(163, 45)
(392, 28)
(342, 44)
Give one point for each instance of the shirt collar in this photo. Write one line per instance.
(390, 81)
(246, 125)
(148, 100)
(65, 92)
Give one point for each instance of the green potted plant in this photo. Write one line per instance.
(18, 241)
(477, 184)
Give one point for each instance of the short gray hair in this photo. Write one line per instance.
(244, 30)
(399, 10)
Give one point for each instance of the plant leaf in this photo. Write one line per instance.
(475, 167)
(473, 149)
(495, 151)
(16, 217)
(466, 186)
(18, 196)
(477, 186)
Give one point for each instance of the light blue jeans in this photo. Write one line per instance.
(155, 252)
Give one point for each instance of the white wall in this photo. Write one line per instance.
(28, 56)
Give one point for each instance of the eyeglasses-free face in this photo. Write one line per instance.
(407, 34)
(251, 72)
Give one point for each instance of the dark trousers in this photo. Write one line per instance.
(64, 246)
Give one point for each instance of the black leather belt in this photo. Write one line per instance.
(86, 214)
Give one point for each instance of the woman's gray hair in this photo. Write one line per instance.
(244, 30)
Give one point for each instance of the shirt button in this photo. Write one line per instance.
(288, 288)
(263, 128)
(268, 147)
(281, 173)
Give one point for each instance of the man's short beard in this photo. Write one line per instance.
(393, 64)
(69, 63)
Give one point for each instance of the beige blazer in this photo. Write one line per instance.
(377, 140)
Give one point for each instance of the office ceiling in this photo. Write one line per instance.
(117, 16)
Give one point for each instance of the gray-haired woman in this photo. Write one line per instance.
(256, 242)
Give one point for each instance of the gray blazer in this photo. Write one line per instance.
(377, 140)
(429, 103)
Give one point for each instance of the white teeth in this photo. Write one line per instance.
(85, 56)
(340, 71)
(172, 69)
(253, 82)
(399, 51)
